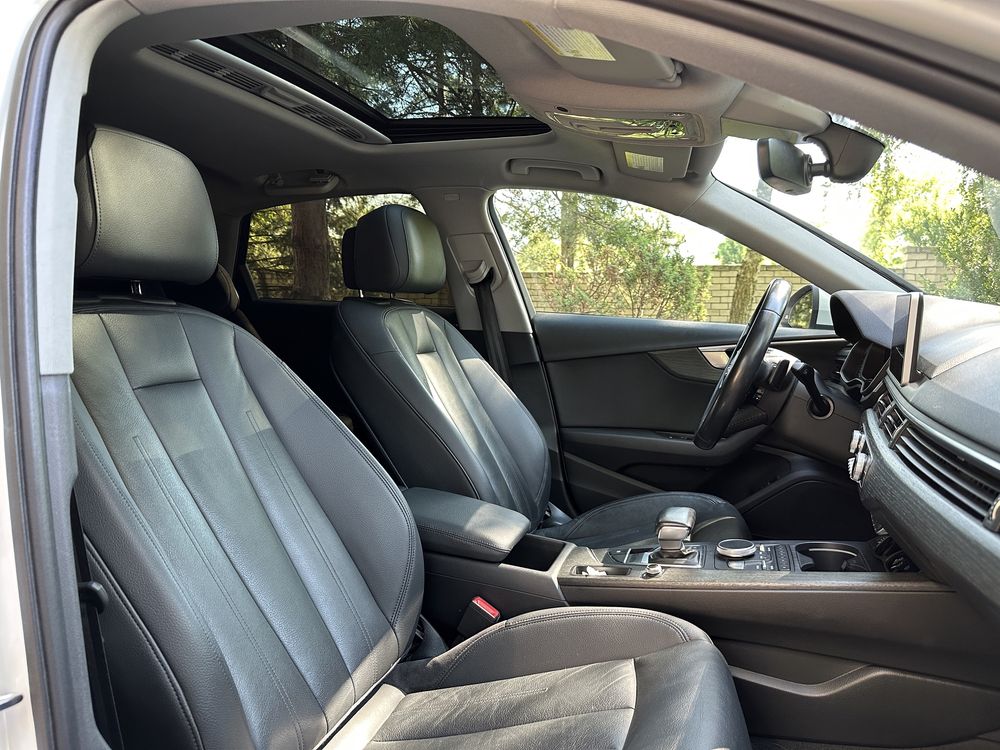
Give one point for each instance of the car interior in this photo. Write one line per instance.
(377, 426)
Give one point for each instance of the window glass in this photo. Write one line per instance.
(403, 67)
(582, 253)
(293, 251)
(929, 219)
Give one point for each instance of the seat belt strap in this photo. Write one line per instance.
(496, 353)
(93, 600)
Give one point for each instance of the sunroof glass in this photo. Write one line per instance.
(405, 68)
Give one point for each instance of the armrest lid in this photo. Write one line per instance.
(464, 526)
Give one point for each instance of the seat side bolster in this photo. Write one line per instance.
(553, 639)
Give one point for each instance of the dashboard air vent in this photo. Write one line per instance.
(206, 59)
(966, 484)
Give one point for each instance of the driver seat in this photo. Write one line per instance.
(440, 413)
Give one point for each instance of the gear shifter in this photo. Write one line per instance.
(673, 527)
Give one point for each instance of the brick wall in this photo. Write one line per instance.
(718, 298)
(920, 265)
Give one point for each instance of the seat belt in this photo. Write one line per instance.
(496, 353)
(93, 601)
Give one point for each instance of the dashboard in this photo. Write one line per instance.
(928, 454)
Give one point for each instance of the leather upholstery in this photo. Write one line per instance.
(570, 678)
(443, 416)
(125, 227)
(463, 526)
(217, 295)
(223, 500)
(394, 249)
(265, 575)
(447, 421)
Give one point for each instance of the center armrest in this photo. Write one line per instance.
(464, 526)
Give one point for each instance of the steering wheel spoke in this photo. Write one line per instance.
(740, 372)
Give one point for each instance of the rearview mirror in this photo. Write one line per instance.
(785, 168)
(850, 155)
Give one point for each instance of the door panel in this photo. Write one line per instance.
(628, 394)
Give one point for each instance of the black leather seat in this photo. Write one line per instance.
(443, 416)
(265, 575)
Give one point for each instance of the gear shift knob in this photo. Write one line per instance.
(673, 527)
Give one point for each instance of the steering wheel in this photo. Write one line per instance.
(738, 376)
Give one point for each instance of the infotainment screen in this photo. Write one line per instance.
(906, 336)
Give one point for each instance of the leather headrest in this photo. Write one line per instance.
(144, 213)
(394, 249)
(347, 258)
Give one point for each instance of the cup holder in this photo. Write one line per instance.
(829, 557)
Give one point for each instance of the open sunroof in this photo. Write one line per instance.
(410, 78)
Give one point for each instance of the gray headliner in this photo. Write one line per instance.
(160, 106)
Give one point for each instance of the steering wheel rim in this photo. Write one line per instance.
(738, 375)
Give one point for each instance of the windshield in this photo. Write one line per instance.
(925, 217)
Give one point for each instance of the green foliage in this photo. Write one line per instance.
(960, 226)
(731, 252)
(618, 258)
(964, 236)
(272, 259)
(402, 66)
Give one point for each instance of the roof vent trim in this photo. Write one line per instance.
(240, 74)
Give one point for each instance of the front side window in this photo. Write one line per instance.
(582, 253)
(293, 251)
(930, 220)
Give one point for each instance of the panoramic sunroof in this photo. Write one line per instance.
(410, 78)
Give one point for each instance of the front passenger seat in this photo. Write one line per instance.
(443, 416)
(265, 576)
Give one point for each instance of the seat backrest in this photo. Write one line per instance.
(264, 573)
(442, 415)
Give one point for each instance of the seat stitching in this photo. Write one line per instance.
(511, 474)
(378, 470)
(487, 698)
(463, 538)
(129, 610)
(129, 504)
(222, 589)
(374, 365)
(507, 627)
(315, 539)
(631, 710)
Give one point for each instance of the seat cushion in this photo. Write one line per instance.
(567, 678)
(632, 521)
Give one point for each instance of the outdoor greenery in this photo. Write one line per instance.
(404, 67)
(603, 255)
(960, 226)
(293, 251)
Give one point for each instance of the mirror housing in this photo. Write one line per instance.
(808, 298)
(850, 155)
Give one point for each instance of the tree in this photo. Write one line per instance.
(603, 255)
(403, 66)
(730, 252)
(294, 250)
(960, 226)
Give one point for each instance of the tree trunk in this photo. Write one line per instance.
(745, 293)
(569, 227)
(311, 250)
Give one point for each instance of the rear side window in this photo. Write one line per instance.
(293, 251)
